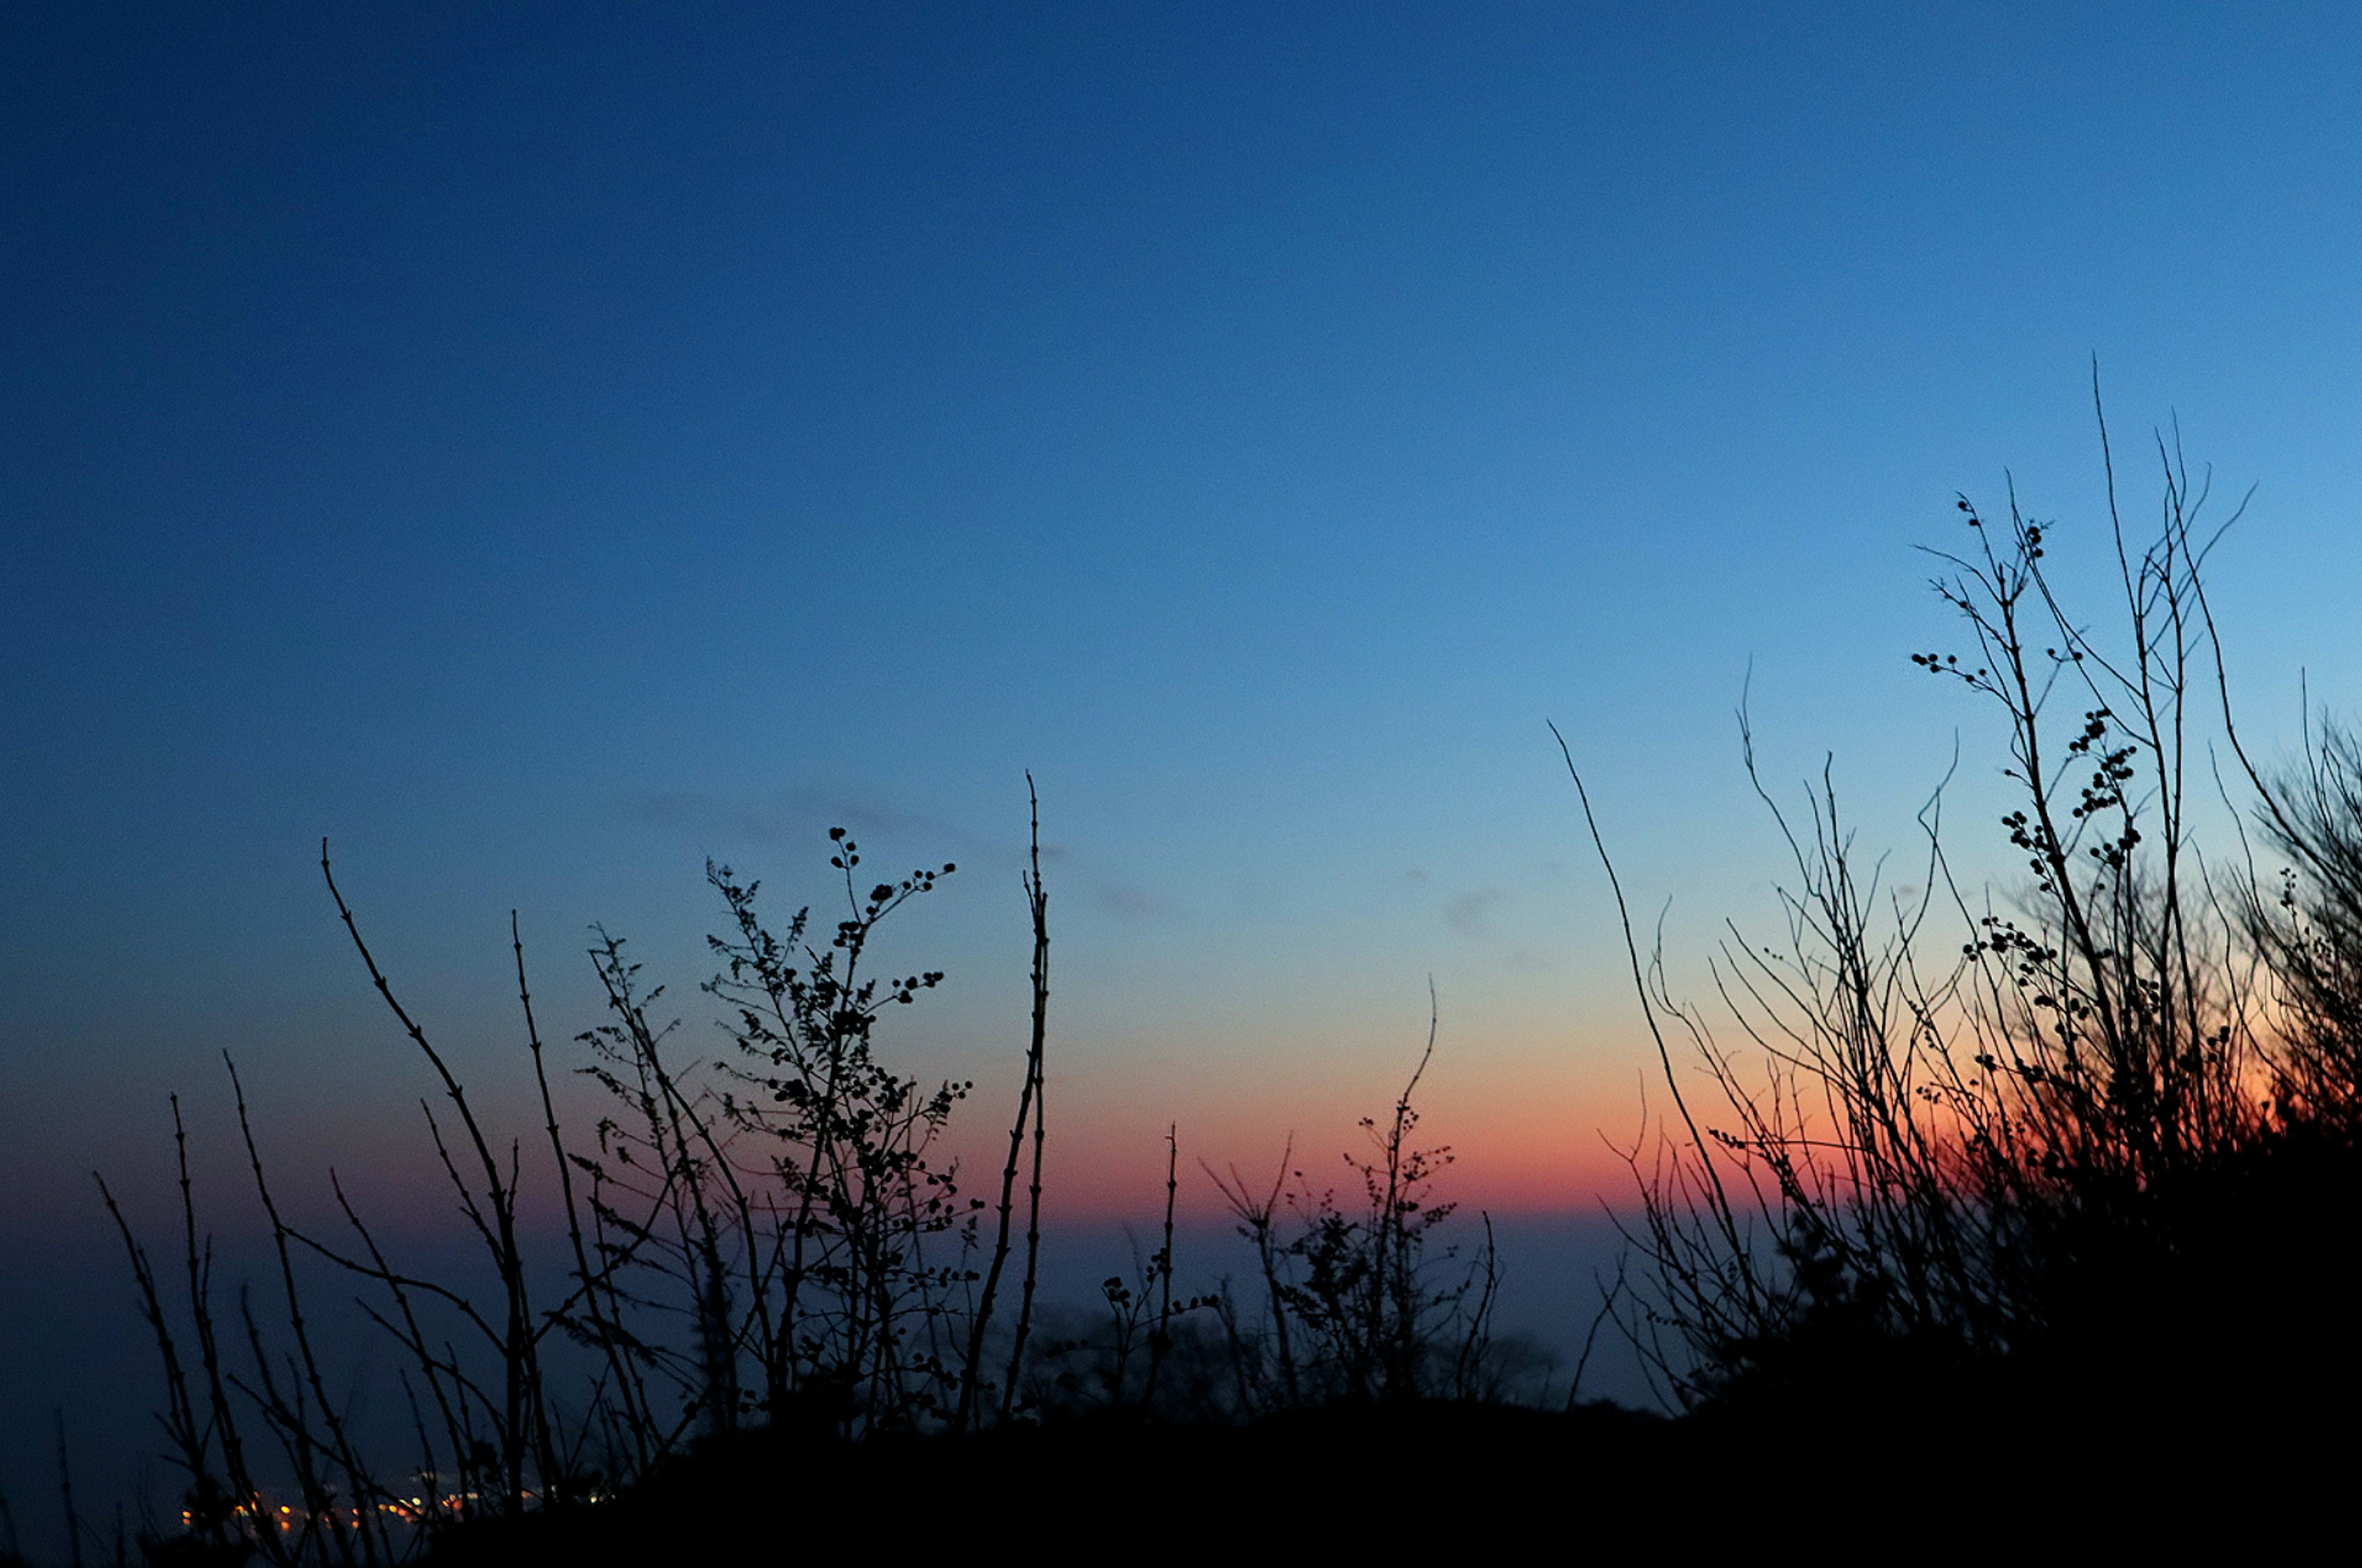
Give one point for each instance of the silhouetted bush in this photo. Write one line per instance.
(2073, 1158)
(1358, 1303)
(2062, 1172)
(748, 1238)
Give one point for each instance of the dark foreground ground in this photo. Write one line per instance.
(1103, 1487)
(1473, 1482)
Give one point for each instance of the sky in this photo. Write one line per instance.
(540, 448)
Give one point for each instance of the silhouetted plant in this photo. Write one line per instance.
(753, 1237)
(810, 1180)
(1360, 1306)
(221, 1502)
(1121, 1361)
(2010, 1147)
(974, 1388)
(2309, 931)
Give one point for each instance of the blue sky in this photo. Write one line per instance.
(539, 447)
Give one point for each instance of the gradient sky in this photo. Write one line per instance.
(542, 447)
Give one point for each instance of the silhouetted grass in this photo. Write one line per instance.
(1971, 1206)
(2074, 1167)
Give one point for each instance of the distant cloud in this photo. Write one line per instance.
(863, 811)
(1471, 913)
(792, 812)
(660, 808)
(1129, 901)
(1416, 876)
(708, 816)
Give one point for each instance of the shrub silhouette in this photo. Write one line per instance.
(751, 1239)
(797, 1199)
(769, 1257)
(1950, 1172)
(2069, 1159)
(1358, 1305)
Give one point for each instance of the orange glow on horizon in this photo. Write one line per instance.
(1536, 1124)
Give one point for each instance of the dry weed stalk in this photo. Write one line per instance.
(1946, 1154)
(749, 1236)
